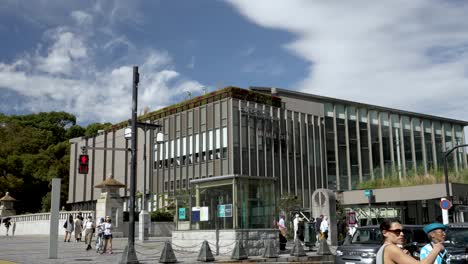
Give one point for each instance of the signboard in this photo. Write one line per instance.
(181, 213)
(204, 215)
(445, 204)
(352, 219)
(225, 210)
(195, 214)
(462, 208)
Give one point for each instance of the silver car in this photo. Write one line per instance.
(367, 240)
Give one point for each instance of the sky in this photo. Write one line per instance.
(77, 56)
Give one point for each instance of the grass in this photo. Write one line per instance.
(415, 178)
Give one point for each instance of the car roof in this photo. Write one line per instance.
(404, 226)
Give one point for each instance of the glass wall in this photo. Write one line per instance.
(255, 203)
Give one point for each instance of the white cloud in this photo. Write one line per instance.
(410, 55)
(64, 74)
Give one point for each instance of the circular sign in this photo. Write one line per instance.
(445, 204)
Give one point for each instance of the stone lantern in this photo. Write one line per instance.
(110, 203)
(6, 205)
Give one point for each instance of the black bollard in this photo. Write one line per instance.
(323, 248)
(205, 254)
(270, 250)
(167, 255)
(298, 249)
(239, 252)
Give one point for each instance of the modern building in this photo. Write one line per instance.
(244, 149)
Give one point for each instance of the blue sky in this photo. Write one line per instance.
(76, 56)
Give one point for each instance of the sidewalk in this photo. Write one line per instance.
(34, 249)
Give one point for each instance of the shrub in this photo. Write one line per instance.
(162, 216)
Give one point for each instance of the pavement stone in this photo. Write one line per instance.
(34, 250)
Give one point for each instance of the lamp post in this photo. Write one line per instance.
(129, 255)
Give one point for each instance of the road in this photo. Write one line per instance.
(34, 250)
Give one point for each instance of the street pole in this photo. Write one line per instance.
(129, 255)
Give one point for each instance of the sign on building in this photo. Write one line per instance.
(225, 210)
(182, 214)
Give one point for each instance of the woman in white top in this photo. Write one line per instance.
(108, 235)
(391, 253)
(89, 231)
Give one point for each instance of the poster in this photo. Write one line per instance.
(181, 213)
(195, 214)
(204, 216)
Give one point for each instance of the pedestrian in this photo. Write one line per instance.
(392, 234)
(69, 226)
(13, 229)
(89, 228)
(282, 235)
(100, 235)
(342, 227)
(318, 221)
(108, 235)
(78, 228)
(7, 226)
(324, 227)
(296, 223)
(436, 234)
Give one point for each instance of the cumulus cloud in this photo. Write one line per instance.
(410, 55)
(64, 74)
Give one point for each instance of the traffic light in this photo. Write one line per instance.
(83, 164)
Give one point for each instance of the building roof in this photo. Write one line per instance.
(324, 99)
(230, 91)
(7, 197)
(110, 182)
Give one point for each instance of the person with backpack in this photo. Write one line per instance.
(69, 226)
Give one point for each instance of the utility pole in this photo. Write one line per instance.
(129, 255)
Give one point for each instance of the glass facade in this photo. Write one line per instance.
(370, 143)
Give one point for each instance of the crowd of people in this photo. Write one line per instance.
(78, 225)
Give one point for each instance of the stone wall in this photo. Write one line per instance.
(254, 240)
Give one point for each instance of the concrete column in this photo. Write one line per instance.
(369, 140)
(54, 218)
(315, 153)
(382, 161)
(413, 152)
(337, 161)
(455, 152)
(465, 165)
(402, 146)
(390, 135)
(348, 159)
(358, 137)
(323, 165)
(287, 149)
(423, 149)
(434, 147)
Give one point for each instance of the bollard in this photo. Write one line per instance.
(270, 250)
(239, 252)
(298, 249)
(323, 248)
(205, 254)
(167, 255)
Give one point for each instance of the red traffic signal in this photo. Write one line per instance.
(83, 166)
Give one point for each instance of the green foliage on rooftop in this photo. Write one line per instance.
(415, 178)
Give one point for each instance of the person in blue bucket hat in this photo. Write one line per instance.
(436, 234)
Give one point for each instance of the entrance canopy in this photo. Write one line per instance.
(233, 202)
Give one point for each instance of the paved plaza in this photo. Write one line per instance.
(34, 249)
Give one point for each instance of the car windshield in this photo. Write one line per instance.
(373, 236)
(367, 236)
(457, 236)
